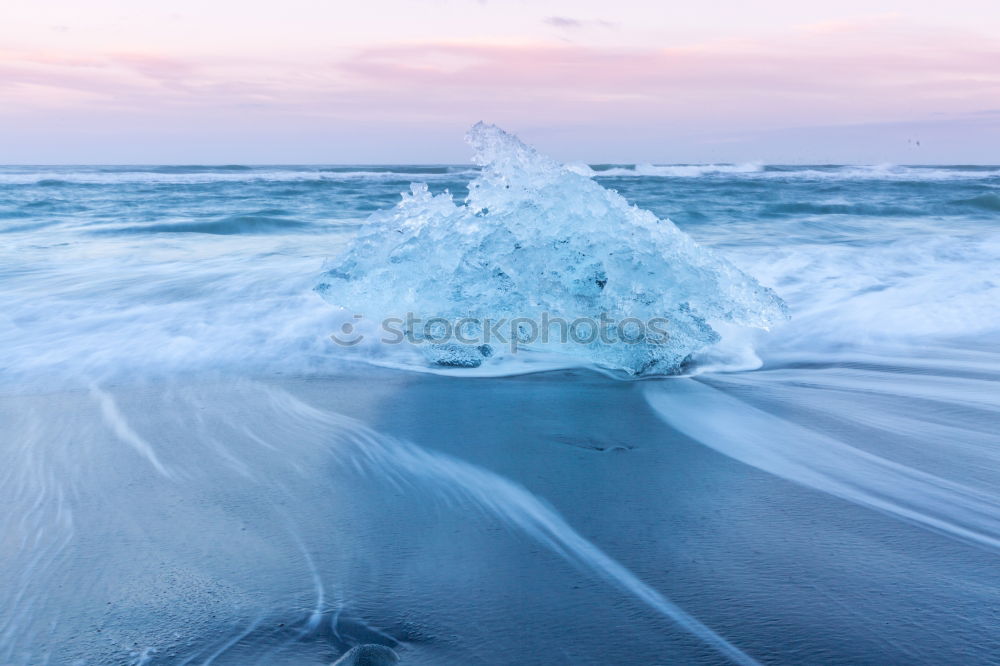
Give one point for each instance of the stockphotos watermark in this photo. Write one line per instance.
(510, 332)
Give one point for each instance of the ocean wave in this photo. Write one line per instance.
(190, 168)
(408, 169)
(664, 170)
(27, 226)
(988, 202)
(234, 224)
(887, 172)
(189, 176)
(193, 175)
(809, 208)
(758, 170)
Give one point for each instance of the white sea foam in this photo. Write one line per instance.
(678, 170)
(758, 170)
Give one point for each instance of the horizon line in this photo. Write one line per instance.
(476, 166)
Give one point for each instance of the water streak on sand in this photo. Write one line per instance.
(805, 454)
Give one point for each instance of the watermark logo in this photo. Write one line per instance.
(348, 335)
(513, 333)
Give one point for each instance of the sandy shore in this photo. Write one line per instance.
(460, 521)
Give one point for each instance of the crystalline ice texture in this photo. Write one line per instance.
(535, 238)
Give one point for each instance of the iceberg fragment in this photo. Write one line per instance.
(544, 248)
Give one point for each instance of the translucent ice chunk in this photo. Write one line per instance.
(539, 243)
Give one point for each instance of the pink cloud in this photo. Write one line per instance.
(866, 71)
(766, 79)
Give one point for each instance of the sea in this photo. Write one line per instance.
(192, 471)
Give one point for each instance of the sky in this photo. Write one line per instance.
(392, 81)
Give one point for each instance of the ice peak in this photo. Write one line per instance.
(536, 239)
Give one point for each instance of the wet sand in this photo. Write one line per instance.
(543, 519)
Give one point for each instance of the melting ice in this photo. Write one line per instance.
(537, 240)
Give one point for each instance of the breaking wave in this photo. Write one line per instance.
(760, 171)
(666, 170)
